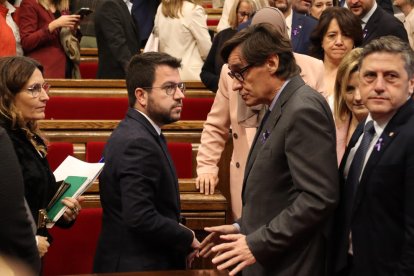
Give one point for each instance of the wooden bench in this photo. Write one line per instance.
(112, 88)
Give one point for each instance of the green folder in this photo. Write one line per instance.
(75, 183)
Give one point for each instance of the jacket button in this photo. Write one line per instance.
(235, 135)
(237, 165)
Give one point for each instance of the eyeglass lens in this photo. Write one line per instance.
(36, 89)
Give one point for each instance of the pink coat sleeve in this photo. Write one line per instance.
(216, 130)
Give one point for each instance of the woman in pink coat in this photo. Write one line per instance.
(229, 111)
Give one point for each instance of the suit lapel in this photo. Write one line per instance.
(129, 18)
(372, 24)
(142, 120)
(164, 147)
(295, 32)
(389, 134)
(262, 136)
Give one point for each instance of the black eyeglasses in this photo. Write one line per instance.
(36, 89)
(170, 88)
(239, 75)
(244, 14)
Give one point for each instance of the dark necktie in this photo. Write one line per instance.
(264, 120)
(163, 139)
(172, 167)
(358, 161)
(165, 147)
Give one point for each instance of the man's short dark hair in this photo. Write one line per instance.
(260, 41)
(393, 45)
(141, 71)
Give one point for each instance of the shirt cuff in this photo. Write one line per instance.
(237, 226)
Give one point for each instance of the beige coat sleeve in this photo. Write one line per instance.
(216, 130)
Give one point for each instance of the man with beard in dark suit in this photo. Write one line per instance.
(141, 227)
(375, 21)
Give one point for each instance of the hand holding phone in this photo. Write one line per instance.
(83, 12)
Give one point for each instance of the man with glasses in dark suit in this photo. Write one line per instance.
(141, 226)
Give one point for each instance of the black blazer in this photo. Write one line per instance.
(39, 181)
(302, 27)
(117, 39)
(210, 72)
(382, 215)
(385, 4)
(143, 12)
(141, 204)
(16, 235)
(381, 23)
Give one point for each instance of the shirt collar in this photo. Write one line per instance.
(368, 15)
(156, 127)
(278, 94)
(10, 7)
(379, 128)
(288, 20)
(129, 5)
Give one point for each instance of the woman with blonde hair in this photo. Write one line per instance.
(182, 30)
(318, 6)
(40, 23)
(348, 110)
(227, 8)
(241, 11)
(23, 98)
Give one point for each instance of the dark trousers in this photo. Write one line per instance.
(348, 270)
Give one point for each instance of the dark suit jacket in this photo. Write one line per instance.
(16, 235)
(385, 4)
(39, 182)
(117, 39)
(210, 72)
(381, 23)
(382, 216)
(290, 186)
(302, 27)
(141, 203)
(143, 12)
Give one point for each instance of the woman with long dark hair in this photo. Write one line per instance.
(23, 98)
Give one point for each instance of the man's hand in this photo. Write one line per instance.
(206, 183)
(233, 253)
(214, 238)
(42, 245)
(195, 245)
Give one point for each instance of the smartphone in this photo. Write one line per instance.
(83, 12)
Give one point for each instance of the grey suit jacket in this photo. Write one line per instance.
(291, 186)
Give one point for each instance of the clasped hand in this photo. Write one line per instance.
(230, 248)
